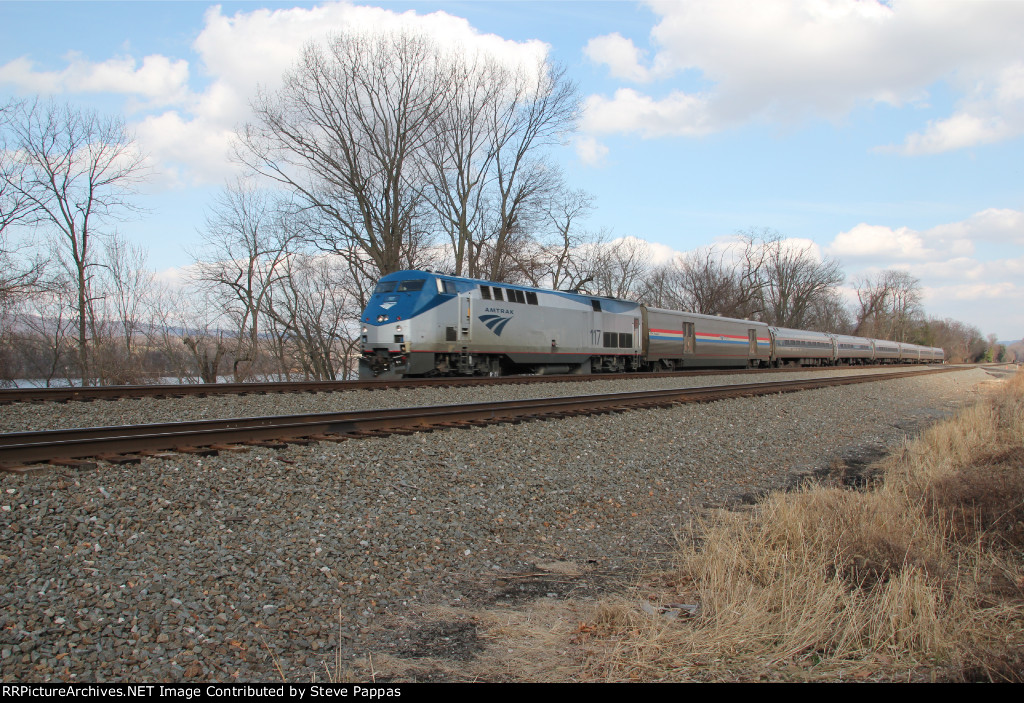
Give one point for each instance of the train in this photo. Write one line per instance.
(424, 323)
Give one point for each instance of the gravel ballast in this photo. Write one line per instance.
(265, 563)
(24, 417)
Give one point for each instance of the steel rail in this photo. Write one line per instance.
(89, 393)
(47, 445)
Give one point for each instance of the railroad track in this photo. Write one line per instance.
(20, 450)
(91, 393)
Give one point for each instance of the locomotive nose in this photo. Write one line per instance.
(391, 337)
(385, 350)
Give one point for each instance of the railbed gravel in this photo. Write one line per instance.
(23, 417)
(262, 564)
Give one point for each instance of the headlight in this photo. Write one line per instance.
(382, 318)
(398, 328)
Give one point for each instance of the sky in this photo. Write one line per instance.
(888, 135)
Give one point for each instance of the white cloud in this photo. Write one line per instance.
(999, 290)
(621, 56)
(800, 244)
(175, 276)
(658, 254)
(259, 46)
(877, 241)
(994, 224)
(957, 132)
(590, 151)
(190, 143)
(158, 79)
(967, 271)
(185, 151)
(940, 243)
(631, 112)
(787, 60)
(985, 117)
(22, 74)
(960, 268)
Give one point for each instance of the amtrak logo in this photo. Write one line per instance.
(388, 305)
(495, 323)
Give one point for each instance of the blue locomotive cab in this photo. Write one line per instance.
(392, 314)
(397, 299)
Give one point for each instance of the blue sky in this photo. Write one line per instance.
(887, 134)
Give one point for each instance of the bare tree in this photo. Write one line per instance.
(660, 290)
(122, 289)
(710, 286)
(795, 281)
(15, 204)
(618, 268)
(129, 283)
(828, 312)
(539, 109)
(1016, 352)
(44, 340)
(562, 240)
(488, 181)
(906, 304)
(169, 327)
(316, 313)
(759, 275)
(245, 244)
(76, 172)
(460, 156)
(198, 323)
(342, 135)
(706, 281)
(17, 275)
(960, 341)
(391, 145)
(719, 280)
(889, 305)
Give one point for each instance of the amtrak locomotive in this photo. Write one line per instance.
(419, 323)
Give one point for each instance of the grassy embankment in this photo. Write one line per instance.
(919, 577)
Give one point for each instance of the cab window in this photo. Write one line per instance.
(411, 285)
(384, 287)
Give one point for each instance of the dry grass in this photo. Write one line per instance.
(918, 578)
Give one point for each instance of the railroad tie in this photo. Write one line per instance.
(25, 469)
(77, 464)
(120, 459)
(197, 451)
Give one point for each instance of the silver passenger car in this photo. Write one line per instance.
(676, 339)
(802, 348)
(886, 352)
